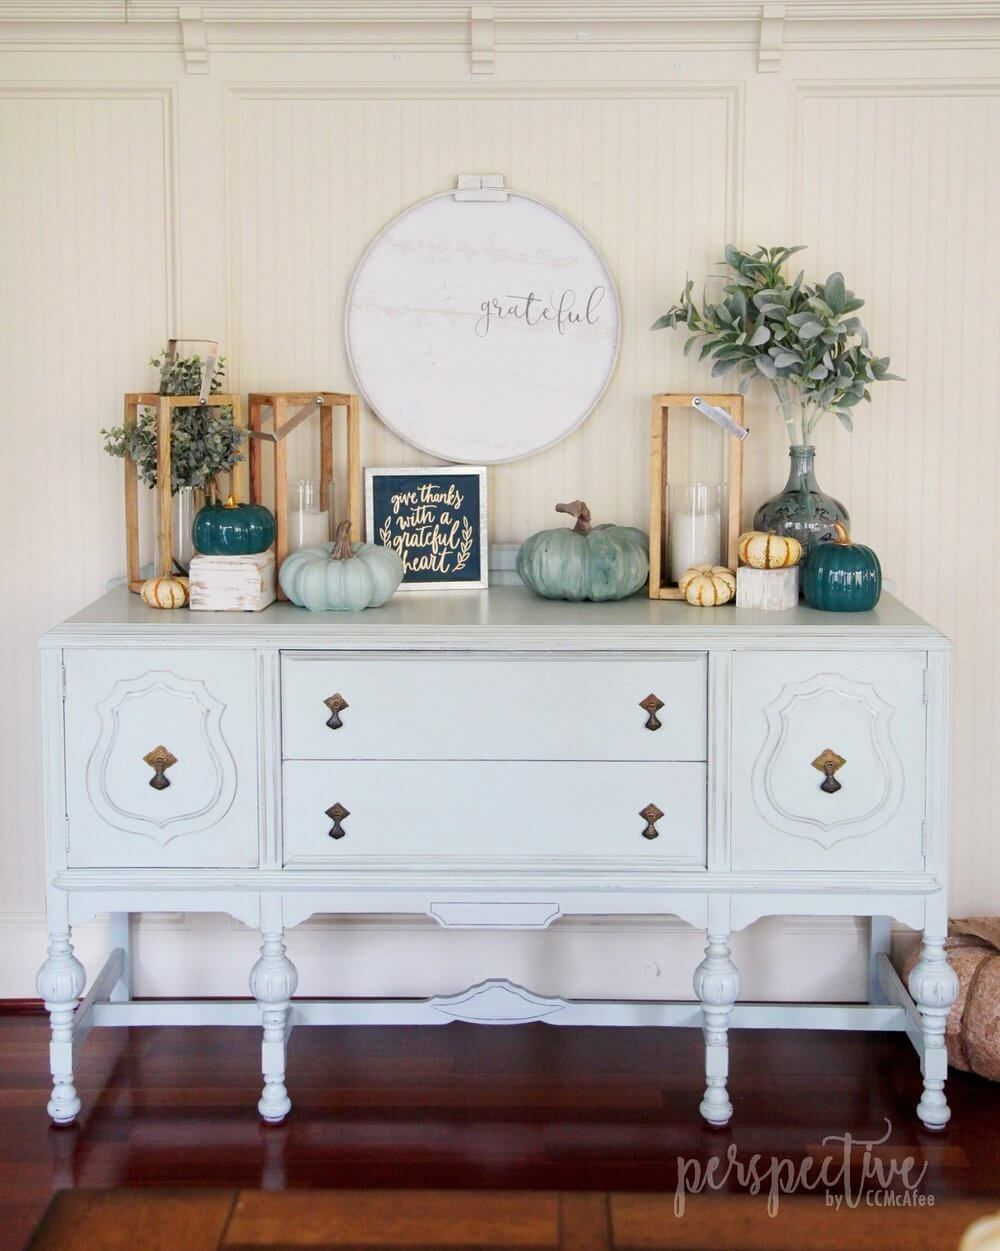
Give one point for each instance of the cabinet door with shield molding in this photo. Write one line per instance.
(829, 761)
(161, 758)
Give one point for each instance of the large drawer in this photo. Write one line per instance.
(506, 708)
(424, 813)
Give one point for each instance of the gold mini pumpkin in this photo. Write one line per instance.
(769, 551)
(708, 586)
(165, 592)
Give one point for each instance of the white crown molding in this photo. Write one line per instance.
(768, 27)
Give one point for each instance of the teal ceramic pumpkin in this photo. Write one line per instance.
(341, 576)
(232, 529)
(585, 562)
(841, 576)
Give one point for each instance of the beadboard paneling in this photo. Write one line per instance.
(86, 285)
(905, 203)
(620, 165)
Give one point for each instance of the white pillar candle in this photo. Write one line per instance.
(695, 529)
(307, 527)
(695, 539)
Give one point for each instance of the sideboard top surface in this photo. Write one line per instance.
(505, 617)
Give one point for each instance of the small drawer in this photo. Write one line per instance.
(349, 812)
(507, 708)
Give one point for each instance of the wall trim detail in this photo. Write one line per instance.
(482, 38)
(520, 25)
(772, 37)
(194, 38)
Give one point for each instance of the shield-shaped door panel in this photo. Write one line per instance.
(828, 761)
(161, 758)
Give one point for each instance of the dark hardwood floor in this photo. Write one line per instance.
(456, 1107)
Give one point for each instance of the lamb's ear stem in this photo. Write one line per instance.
(579, 510)
(342, 549)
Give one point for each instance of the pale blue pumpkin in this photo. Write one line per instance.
(585, 562)
(341, 576)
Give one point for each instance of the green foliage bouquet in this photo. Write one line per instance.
(204, 441)
(805, 339)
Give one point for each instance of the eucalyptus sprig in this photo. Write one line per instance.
(204, 440)
(803, 338)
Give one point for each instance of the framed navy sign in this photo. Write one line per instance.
(435, 519)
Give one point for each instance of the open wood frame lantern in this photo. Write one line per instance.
(659, 509)
(164, 406)
(309, 403)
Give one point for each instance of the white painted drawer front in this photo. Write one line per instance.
(426, 813)
(865, 707)
(202, 707)
(528, 708)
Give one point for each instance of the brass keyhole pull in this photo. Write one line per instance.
(828, 762)
(651, 814)
(159, 760)
(652, 704)
(336, 703)
(337, 813)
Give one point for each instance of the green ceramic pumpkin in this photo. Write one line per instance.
(341, 576)
(232, 529)
(841, 576)
(586, 562)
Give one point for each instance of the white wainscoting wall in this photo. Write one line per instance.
(221, 177)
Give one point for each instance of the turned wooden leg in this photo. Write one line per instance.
(933, 985)
(60, 983)
(717, 985)
(273, 980)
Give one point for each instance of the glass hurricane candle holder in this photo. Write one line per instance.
(309, 523)
(695, 534)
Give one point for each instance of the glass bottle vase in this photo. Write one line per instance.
(802, 511)
(183, 508)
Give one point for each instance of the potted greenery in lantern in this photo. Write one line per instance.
(806, 340)
(205, 442)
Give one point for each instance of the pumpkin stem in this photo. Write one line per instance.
(342, 549)
(580, 511)
(841, 537)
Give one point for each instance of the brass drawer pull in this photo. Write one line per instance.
(336, 703)
(828, 762)
(651, 814)
(652, 704)
(337, 813)
(159, 760)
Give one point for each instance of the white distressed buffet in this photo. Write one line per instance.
(490, 759)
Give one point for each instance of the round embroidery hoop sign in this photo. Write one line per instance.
(482, 330)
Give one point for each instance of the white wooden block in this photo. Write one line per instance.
(768, 589)
(233, 583)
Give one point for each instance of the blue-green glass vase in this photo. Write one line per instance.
(802, 511)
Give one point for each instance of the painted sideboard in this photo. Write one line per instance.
(493, 760)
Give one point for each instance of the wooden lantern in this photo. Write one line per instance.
(309, 403)
(659, 513)
(164, 406)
